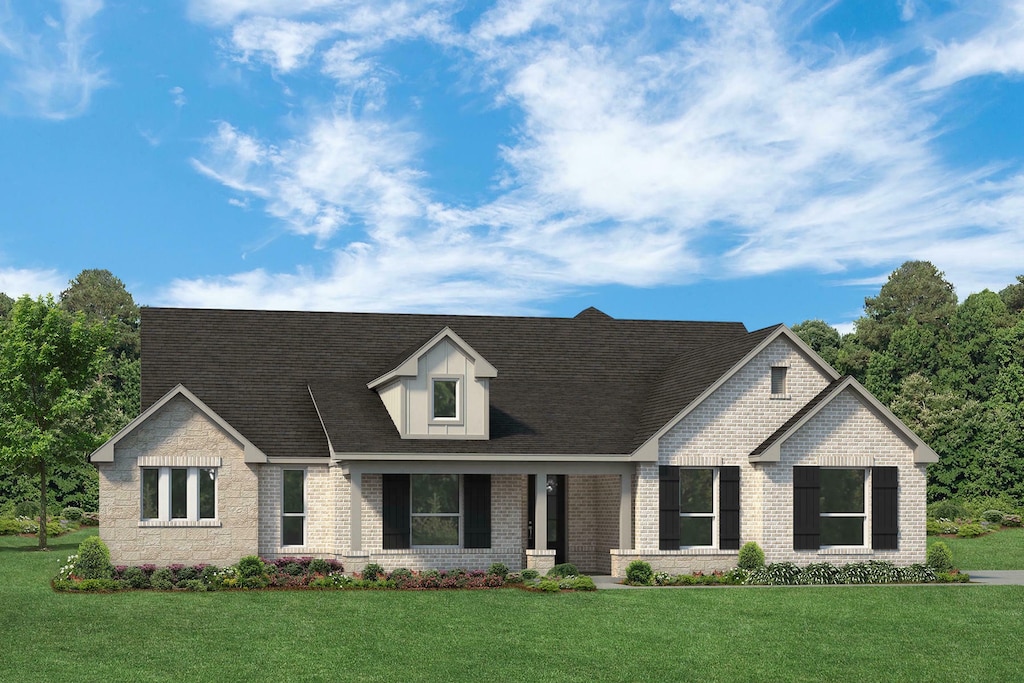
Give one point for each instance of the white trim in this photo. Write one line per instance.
(105, 453)
(460, 387)
(192, 511)
(409, 367)
(863, 515)
(303, 515)
(458, 515)
(715, 513)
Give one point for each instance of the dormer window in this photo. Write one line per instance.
(445, 399)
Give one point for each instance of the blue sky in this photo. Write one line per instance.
(724, 160)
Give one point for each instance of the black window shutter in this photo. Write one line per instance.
(396, 511)
(668, 505)
(477, 497)
(884, 508)
(729, 508)
(806, 508)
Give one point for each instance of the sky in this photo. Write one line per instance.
(739, 160)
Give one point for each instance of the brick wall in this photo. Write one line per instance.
(320, 524)
(592, 524)
(178, 435)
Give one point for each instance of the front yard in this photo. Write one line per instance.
(807, 633)
(1002, 549)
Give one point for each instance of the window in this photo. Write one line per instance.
(445, 399)
(435, 509)
(699, 507)
(841, 501)
(779, 381)
(293, 508)
(187, 493)
(696, 507)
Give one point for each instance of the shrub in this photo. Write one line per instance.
(970, 530)
(529, 574)
(639, 573)
(27, 508)
(993, 516)
(292, 569)
(564, 569)
(10, 526)
(917, 573)
(934, 527)
(251, 566)
(91, 519)
(162, 579)
(193, 585)
(498, 569)
(319, 566)
(514, 579)
(976, 506)
(953, 577)
(1011, 520)
(373, 571)
(776, 574)
(947, 509)
(72, 513)
(940, 557)
(93, 560)
(548, 585)
(136, 578)
(820, 573)
(880, 571)
(185, 574)
(751, 556)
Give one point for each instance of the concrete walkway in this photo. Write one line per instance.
(984, 577)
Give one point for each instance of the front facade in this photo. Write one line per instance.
(459, 441)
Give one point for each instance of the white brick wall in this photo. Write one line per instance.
(179, 434)
(320, 523)
(593, 521)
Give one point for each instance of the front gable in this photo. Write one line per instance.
(440, 391)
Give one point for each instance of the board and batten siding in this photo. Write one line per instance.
(445, 359)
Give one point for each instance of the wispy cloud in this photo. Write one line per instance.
(15, 282)
(997, 47)
(51, 73)
(652, 146)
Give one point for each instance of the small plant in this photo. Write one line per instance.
(162, 579)
(993, 516)
(947, 509)
(529, 574)
(1011, 520)
(251, 566)
(971, 530)
(917, 573)
(93, 560)
(940, 557)
(820, 573)
(372, 571)
(751, 556)
(548, 585)
(498, 569)
(776, 574)
(319, 566)
(136, 578)
(564, 569)
(639, 573)
(72, 513)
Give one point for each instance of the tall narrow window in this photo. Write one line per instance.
(842, 506)
(779, 381)
(179, 493)
(435, 509)
(150, 493)
(446, 403)
(207, 493)
(696, 506)
(293, 520)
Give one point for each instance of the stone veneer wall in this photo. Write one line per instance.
(846, 433)
(321, 506)
(178, 435)
(506, 533)
(723, 430)
(593, 521)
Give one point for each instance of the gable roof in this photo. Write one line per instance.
(408, 366)
(295, 383)
(105, 453)
(770, 450)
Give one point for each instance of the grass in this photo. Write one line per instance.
(862, 633)
(999, 550)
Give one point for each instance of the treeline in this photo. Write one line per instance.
(952, 370)
(95, 306)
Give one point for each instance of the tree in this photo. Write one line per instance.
(917, 291)
(821, 337)
(52, 393)
(6, 304)
(1013, 295)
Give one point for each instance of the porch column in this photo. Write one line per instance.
(540, 512)
(356, 510)
(626, 510)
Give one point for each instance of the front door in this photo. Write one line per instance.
(556, 514)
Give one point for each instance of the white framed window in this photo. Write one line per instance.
(436, 509)
(446, 399)
(187, 493)
(698, 507)
(779, 388)
(842, 505)
(293, 507)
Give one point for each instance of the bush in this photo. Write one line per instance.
(93, 560)
(976, 506)
(498, 569)
(639, 573)
(136, 578)
(880, 571)
(776, 574)
(564, 569)
(372, 571)
(548, 585)
(993, 516)
(940, 557)
(917, 573)
(1011, 520)
(162, 579)
(971, 530)
(947, 509)
(27, 508)
(953, 577)
(751, 556)
(72, 513)
(820, 573)
(251, 566)
(529, 574)
(319, 566)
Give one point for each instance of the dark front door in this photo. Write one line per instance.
(556, 515)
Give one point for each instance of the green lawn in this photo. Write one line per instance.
(1000, 550)
(855, 633)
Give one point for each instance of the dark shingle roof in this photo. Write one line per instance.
(788, 424)
(590, 384)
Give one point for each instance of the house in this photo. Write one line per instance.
(440, 441)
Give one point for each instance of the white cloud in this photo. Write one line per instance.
(997, 47)
(15, 282)
(177, 94)
(908, 9)
(284, 44)
(53, 74)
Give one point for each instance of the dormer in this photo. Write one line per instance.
(441, 391)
